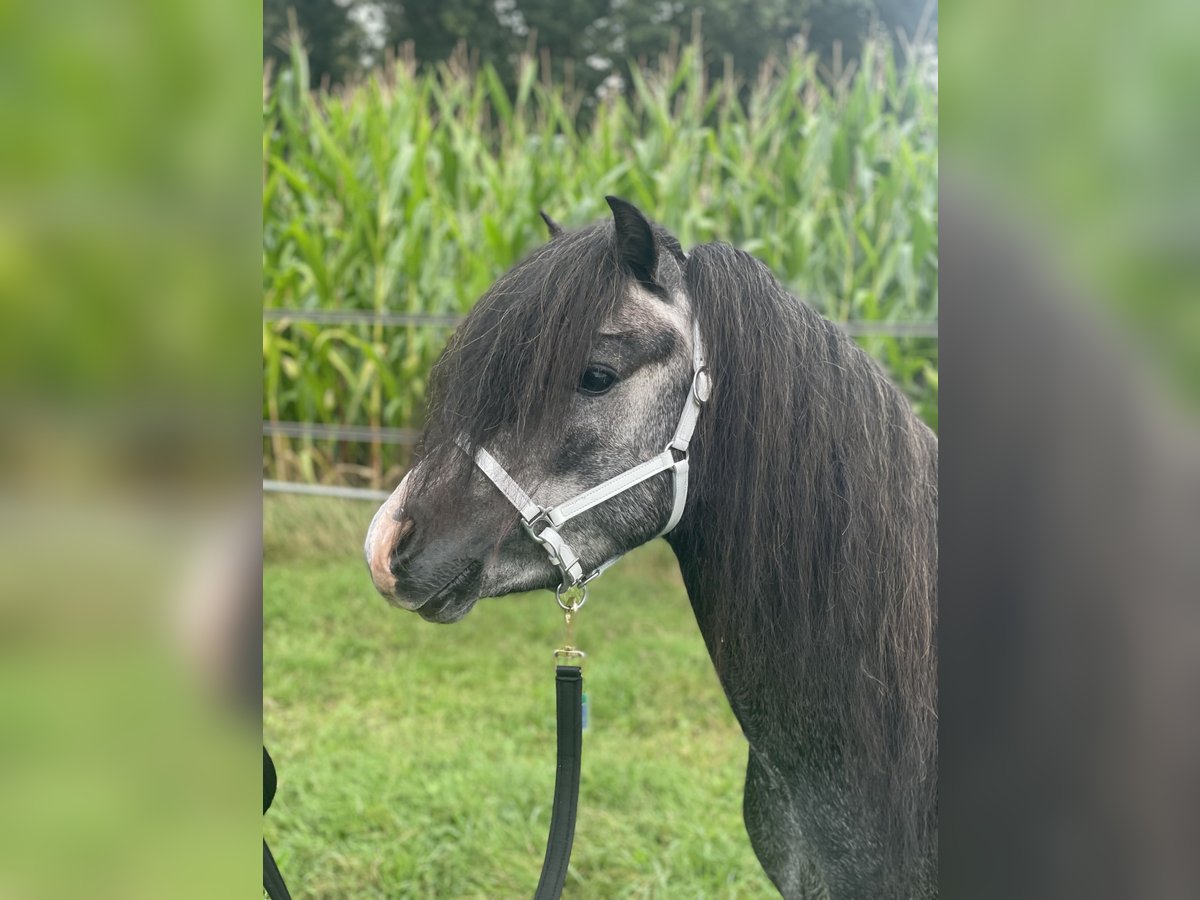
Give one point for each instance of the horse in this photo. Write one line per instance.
(807, 543)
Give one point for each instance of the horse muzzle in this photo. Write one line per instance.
(390, 535)
(429, 577)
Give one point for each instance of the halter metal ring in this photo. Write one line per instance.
(576, 604)
(537, 524)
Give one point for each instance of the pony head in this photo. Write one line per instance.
(572, 368)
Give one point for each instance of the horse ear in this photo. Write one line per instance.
(555, 228)
(635, 240)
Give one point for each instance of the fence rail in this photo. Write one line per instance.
(403, 436)
(913, 328)
(323, 490)
(363, 317)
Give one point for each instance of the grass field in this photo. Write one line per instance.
(417, 760)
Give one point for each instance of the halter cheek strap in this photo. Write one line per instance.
(542, 523)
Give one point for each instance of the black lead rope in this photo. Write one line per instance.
(568, 681)
(272, 879)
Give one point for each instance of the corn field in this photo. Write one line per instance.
(410, 192)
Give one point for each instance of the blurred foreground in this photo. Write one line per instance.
(128, 354)
(1070, 480)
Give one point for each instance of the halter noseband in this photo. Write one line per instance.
(542, 523)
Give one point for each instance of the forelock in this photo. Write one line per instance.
(514, 362)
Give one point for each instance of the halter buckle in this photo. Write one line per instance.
(536, 527)
(702, 385)
(542, 519)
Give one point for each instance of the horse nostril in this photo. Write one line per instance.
(403, 537)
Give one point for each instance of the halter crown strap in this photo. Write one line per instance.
(542, 524)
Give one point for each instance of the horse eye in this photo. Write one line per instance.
(597, 380)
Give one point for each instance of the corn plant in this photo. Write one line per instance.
(411, 191)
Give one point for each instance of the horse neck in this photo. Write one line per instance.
(836, 560)
(809, 550)
(804, 711)
(763, 709)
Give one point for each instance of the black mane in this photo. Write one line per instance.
(813, 539)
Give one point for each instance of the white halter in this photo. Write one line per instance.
(542, 524)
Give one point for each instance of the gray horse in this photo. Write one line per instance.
(808, 543)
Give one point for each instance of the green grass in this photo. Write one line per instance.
(417, 760)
